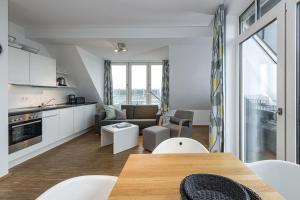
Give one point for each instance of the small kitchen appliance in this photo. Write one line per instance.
(71, 99)
(61, 81)
(80, 100)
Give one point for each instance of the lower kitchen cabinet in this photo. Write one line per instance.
(84, 117)
(58, 126)
(66, 122)
(62, 123)
(50, 127)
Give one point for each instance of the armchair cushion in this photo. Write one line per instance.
(175, 120)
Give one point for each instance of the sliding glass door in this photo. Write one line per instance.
(262, 88)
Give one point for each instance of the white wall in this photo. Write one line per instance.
(69, 59)
(3, 89)
(25, 96)
(231, 104)
(190, 66)
(95, 68)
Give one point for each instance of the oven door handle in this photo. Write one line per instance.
(35, 122)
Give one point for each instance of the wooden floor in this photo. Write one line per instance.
(81, 156)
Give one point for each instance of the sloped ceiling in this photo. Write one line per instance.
(70, 61)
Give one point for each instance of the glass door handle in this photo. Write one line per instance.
(279, 111)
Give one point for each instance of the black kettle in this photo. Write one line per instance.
(61, 81)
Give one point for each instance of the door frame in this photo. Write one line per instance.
(292, 140)
(278, 12)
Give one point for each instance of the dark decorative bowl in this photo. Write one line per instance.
(213, 187)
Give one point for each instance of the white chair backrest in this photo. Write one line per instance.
(93, 187)
(180, 145)
(283, 176)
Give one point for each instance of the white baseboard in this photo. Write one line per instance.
(35, 150)
(201, 117)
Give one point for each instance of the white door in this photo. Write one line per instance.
(42, 70)
(18, 66)
(262, 87)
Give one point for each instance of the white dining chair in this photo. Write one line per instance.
(180, 145)
(281, 175)
(94, 187)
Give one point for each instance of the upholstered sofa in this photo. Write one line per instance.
(142, 115)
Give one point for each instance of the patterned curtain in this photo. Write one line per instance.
(216, 135)
(165, 87)
(108, 84)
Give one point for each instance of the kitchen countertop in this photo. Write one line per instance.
(20, 111)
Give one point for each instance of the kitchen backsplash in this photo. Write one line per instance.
(26, 96)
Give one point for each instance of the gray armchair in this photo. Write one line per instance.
(181, 124)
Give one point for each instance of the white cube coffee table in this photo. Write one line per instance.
(121, 138)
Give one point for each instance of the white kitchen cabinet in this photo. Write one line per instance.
(59, 126)
(42, 70)
(91, 111)
(66, 122)
(18, 66)
(84, 117)
(50, 127)
(78, 119)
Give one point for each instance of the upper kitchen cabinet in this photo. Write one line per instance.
(42, 70)
(18, 62)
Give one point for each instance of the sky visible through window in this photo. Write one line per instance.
(119, 76)
(139, 92)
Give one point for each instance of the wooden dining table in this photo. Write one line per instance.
(158, 176)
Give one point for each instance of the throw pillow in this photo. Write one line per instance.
(120, 114)
(110, 112)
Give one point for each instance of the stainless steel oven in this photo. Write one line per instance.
(24, 130)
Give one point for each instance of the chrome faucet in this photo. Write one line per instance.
(47, 103)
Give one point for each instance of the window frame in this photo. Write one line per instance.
(129, 78)
(297, 34)
(257, 13)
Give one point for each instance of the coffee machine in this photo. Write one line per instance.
(71, 99)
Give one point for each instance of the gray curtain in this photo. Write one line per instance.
(108, 83)
(216, 137)
(165, 87)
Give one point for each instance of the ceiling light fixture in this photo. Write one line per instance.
(120, 47)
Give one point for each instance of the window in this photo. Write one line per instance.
(247, 18)
(259, 95)
(256, 10)
(156, 81)
(265, 5)
(137, 83)
(119, 74)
